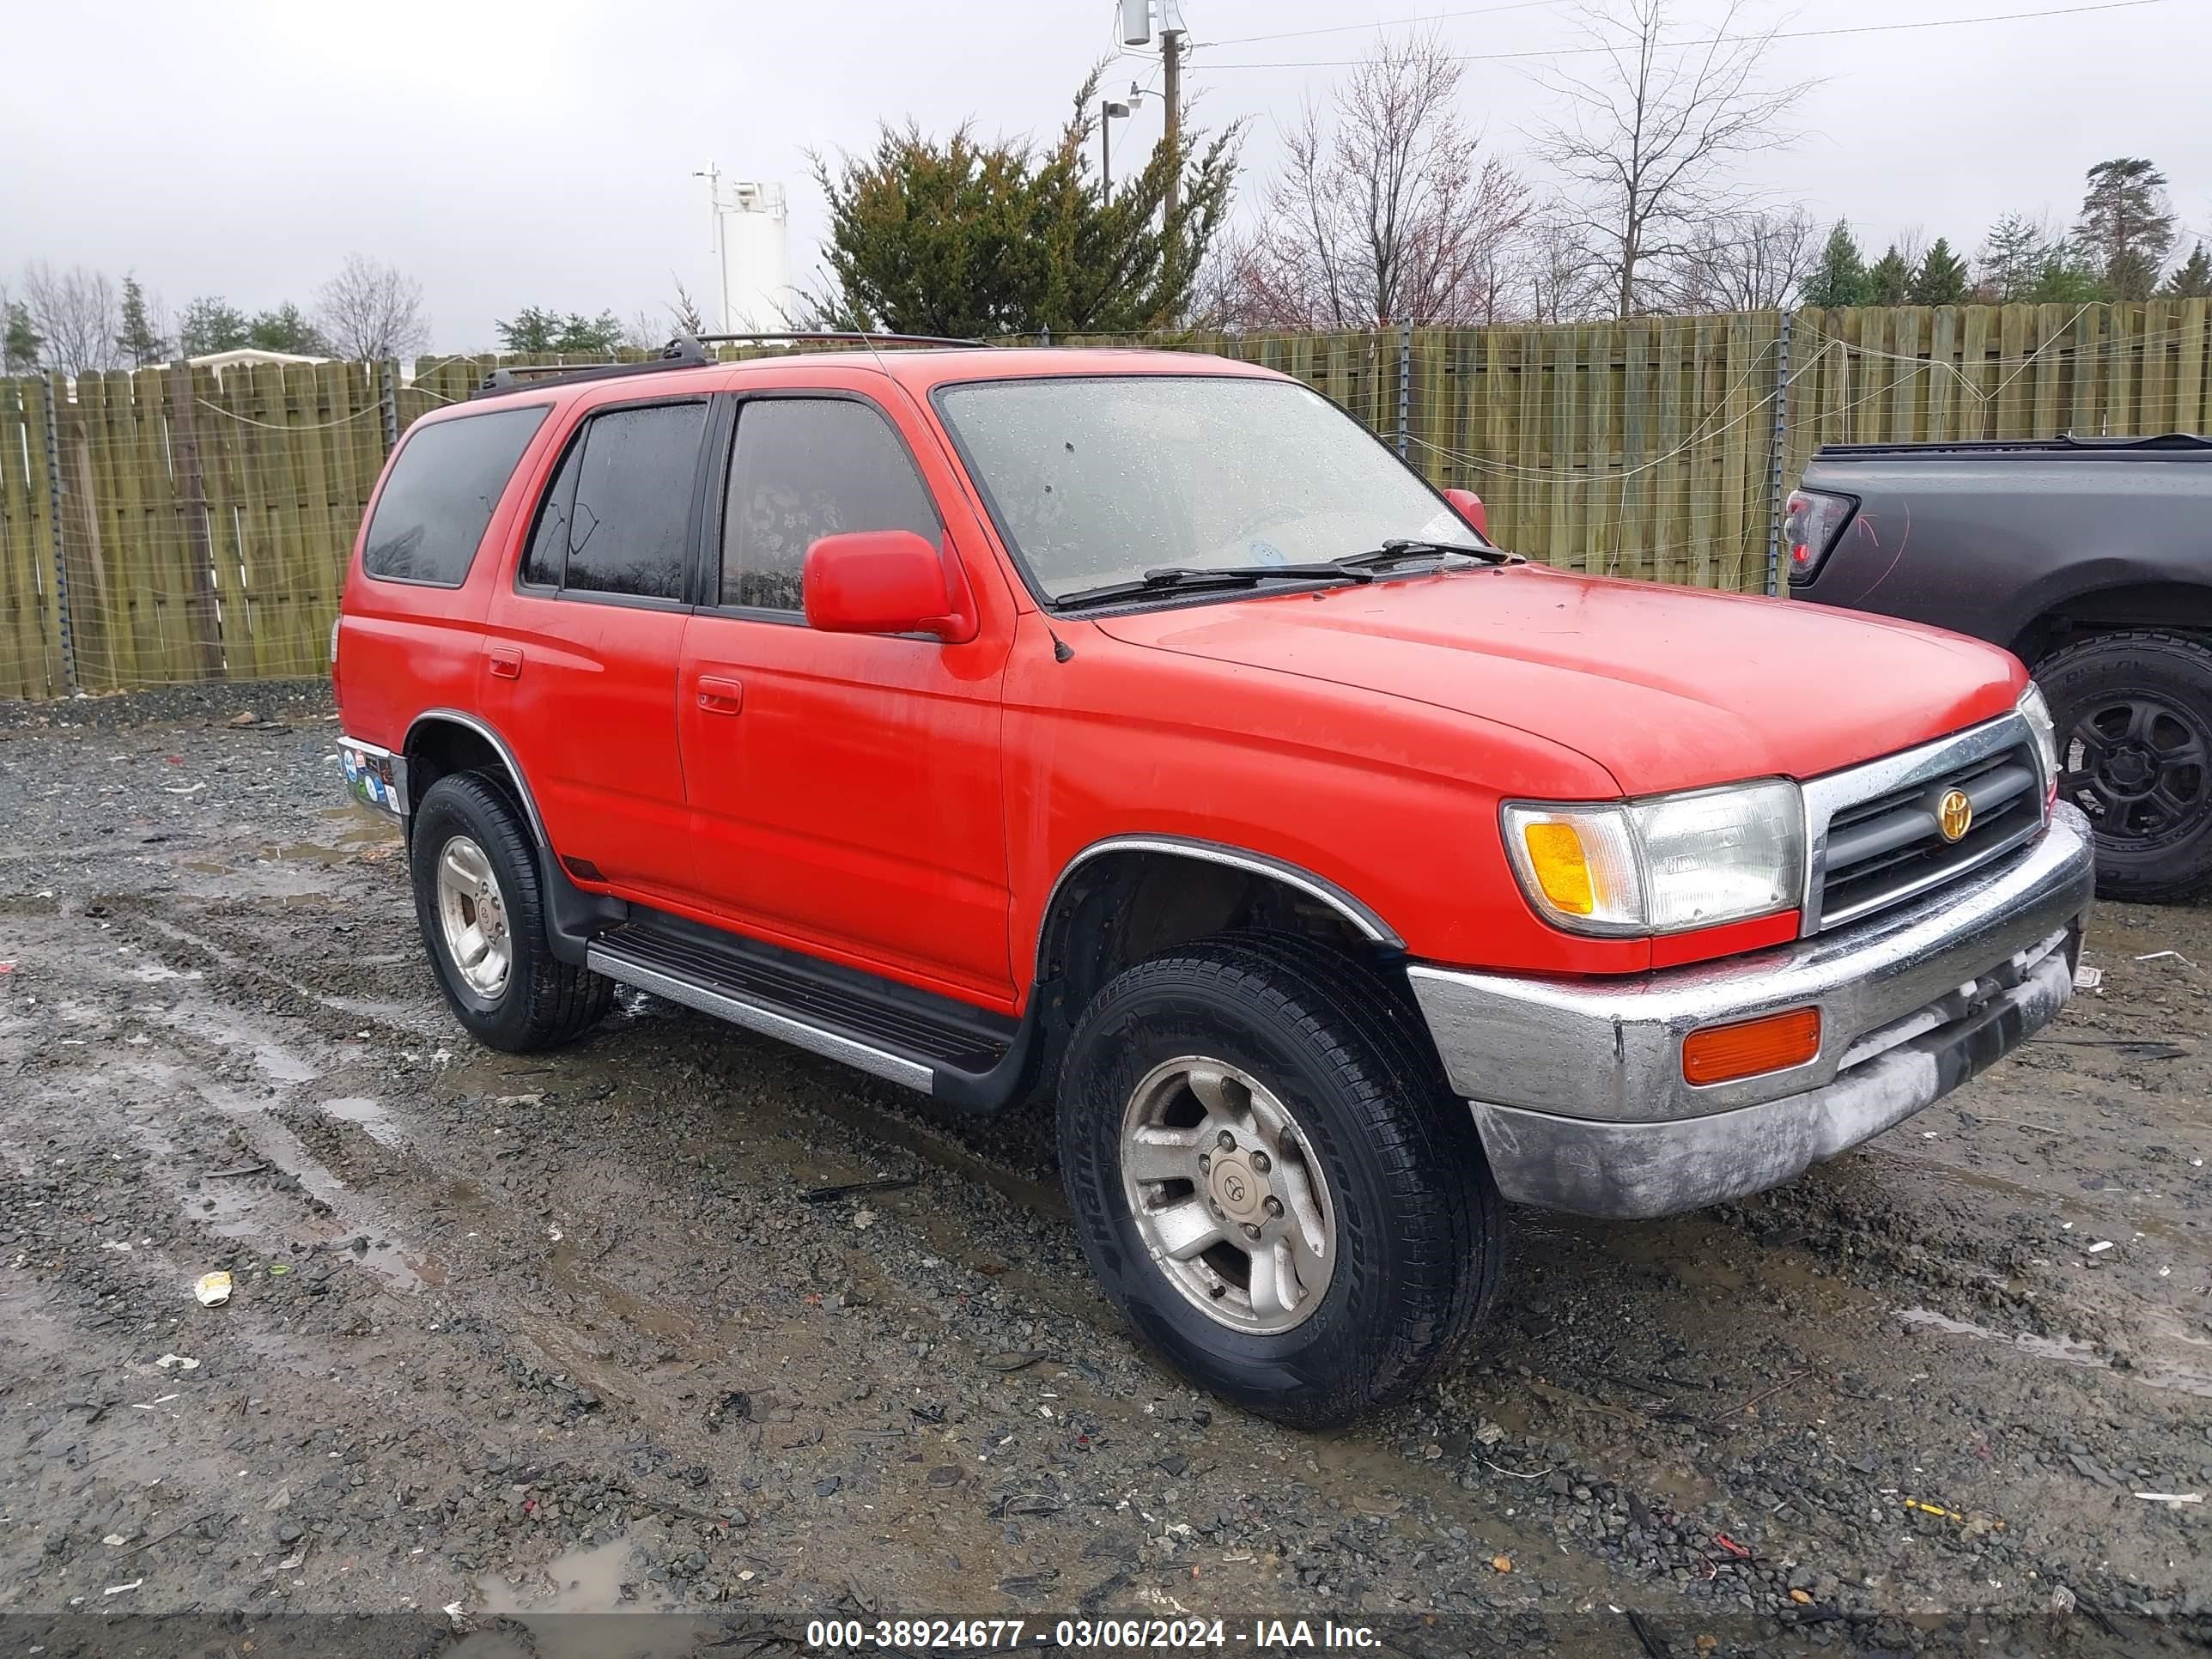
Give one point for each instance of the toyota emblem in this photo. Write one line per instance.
(1954, 814)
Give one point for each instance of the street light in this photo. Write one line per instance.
(1109, 111)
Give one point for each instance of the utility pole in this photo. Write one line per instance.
(1171, 84)
(713, 175)
(1137, 31)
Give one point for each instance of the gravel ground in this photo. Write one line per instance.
(512, 1336)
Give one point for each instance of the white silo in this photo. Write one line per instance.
(752, 231)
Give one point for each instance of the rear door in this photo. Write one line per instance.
(581, 645)
(845, 789)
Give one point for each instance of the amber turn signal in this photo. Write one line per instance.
(1773, 1043)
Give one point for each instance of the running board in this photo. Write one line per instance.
(965, 1056)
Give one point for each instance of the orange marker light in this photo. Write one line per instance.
(1773, 1043)
(1555, 854)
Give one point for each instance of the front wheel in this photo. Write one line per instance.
(1270, 1179)
(2134, 713)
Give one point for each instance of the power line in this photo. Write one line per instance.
(1725, 39)
(1355, 28)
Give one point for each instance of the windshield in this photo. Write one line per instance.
(1095, 482)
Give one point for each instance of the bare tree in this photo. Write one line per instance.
(1556, 278)
(74, 313)
(372, 310)
(681, 314)
(1755, 262)
(1386, 208)
(1654, 133)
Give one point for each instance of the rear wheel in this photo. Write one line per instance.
(1271, 1180)
(2134, 713)
(477, 902)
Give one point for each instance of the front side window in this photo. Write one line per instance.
(805, 468)
(1095, 481)
(439, 498)
(616, 517)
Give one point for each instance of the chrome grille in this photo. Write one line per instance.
(1876, 836)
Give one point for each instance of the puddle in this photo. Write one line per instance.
(369, 1117)
(153, 972)
(2063, 1349)
(224, 1207)
(407, 1272)
(588, 1580)
(2158, 1372)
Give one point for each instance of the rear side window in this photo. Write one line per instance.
(440, 495)
(806, 468)
(616, 519)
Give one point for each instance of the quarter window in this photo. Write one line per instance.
(617, 517)
(439, 498)
(805, 468)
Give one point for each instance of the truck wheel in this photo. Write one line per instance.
(476, 900)
(2134, 713)
(1270, 1179)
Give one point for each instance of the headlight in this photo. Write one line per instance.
(1666, 866)
(2037, 712)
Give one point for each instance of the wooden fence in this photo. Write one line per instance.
(154, 530)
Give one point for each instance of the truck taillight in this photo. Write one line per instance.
(1812, 528)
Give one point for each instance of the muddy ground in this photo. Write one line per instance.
(513, 1335)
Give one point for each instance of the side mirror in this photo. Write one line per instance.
(885, 581)
(1468, 506)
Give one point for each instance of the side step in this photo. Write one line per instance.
(933, 1045)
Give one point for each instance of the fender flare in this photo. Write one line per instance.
(499, 745)
(1363, 918)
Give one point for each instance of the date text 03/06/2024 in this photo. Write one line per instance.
(1264, 1635)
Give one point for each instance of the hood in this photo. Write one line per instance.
(1667, 688)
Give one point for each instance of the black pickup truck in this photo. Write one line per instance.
(2091, 558)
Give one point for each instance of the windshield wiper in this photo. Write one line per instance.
(1398, 550)
(1183, 578)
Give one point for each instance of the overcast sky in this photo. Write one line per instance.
(540, 152)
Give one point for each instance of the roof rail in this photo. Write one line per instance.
(682, 352)
(854, 336)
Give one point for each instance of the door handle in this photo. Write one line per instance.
(718, 695)
(506, 663)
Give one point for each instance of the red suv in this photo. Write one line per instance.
(1134, 730)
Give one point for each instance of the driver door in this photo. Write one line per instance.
(845, 790)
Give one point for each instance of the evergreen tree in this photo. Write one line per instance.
(20, 341)
(1889, 280)
(957, 236)
(135, 338)
(2012, 257)
(1942, 278)
(1840, 278)
(534, 331)
(2067, 277)
(211, 323)
(286, 329)
(2126, 225)
(2192, 279)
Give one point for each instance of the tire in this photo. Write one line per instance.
(2134, 713)
(1403, 1184)
(539, 1001)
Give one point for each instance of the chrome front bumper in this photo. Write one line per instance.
(1576, 1085)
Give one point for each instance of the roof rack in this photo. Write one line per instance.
(682, 352)
(854, 336)
(689, 351)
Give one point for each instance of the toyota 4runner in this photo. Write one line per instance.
(1136, 730)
